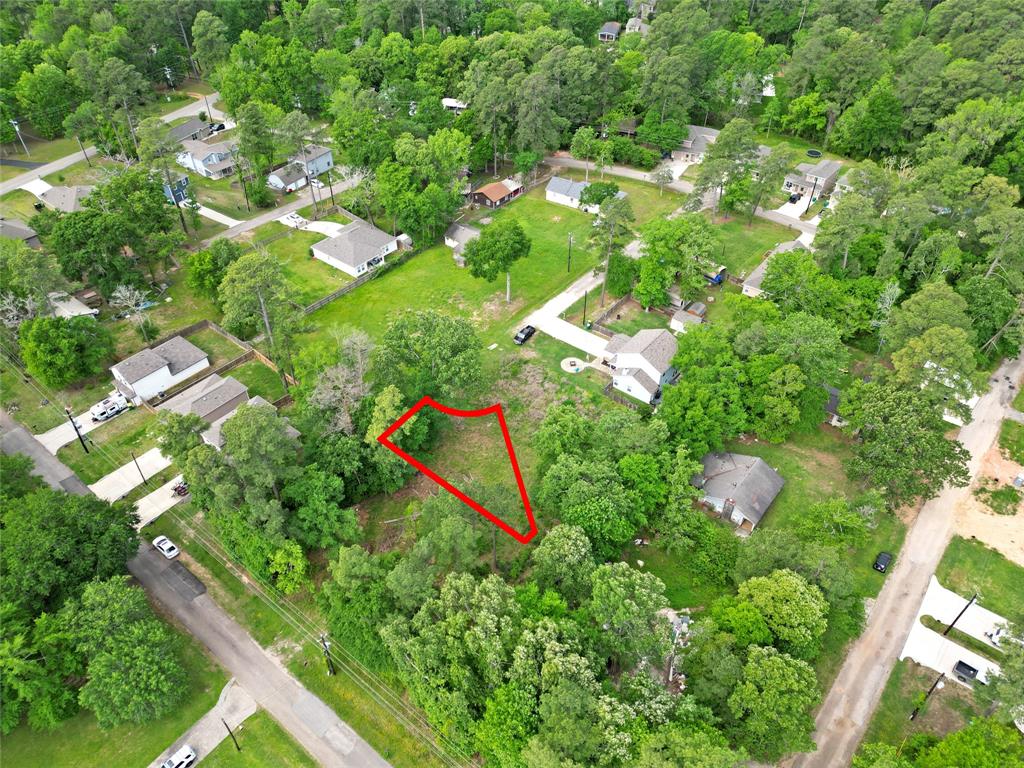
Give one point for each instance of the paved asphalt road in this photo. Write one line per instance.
(16, 439)
(847, 709)
(310, 722)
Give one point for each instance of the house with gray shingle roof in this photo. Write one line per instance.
(641, 364)
(815, 179)
(752, 285)
(67, 199)
(609, 32)
(356, 249)
(457, 237)
(570, 193)
(287, 178)
(146, 374)
(740, 488)
(214, 161)
(696, 143)
(193, 129)
(15, 229)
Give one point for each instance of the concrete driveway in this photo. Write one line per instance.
(217, 216)
(150, 507)
(55, 439)
(547, 320)
(122, 481)
(793, 210)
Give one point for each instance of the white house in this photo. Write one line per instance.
(641, 364)
(152, 371)
(314, 159)
(569, 192)
(691, 314)
(214, 161)
(637, 25)
(844, 184)
(454, 105)
(813, 179)
(356, 249)
(696, 143)
(457, 237)
(287, 178)
(740, 488)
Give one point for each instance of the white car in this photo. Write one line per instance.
(317, 183)
(183, 758)
(166, 547)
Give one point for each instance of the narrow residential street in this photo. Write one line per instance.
(846, 712)
(309, 721)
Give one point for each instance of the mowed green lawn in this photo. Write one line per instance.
(18, 204)
(311, 278)
(81, 743)
(83, 173)
(647, 200)
(431, 280)
(969, 566)
(742, 247)
(16, 389)
(220, 349)
(264, 744)
(222, 195)
(260, 380)
(110, 445)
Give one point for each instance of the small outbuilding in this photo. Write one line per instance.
(609, 32)
(692, 313)
(457, 237)
(740, 488)
(497, 193)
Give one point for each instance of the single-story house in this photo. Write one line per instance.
(177, 191)
(813, 179)
(356, 249)
(193, 129)
(569, 192)
(287, 178)
(832, 416)
(497, 193)
(641, 8)
(457, 237)
(740, 488)
(692, 313)
(15, 229)
(214, 161)
(752, 284)
(627, 127)
(67, 199)
(213, 436)
(641, 364)
(454, 105)
(696, 143)
(209, 399)
(609, 32)
(65, 305)
(314, 159)
(152, 371)
(637, 25)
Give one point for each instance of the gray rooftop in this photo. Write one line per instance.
(747, 480)
(310, 152)
(207, 396)
(756, 277)
(355, 244)
(14, 229)
(187, 129)
(568, 187)
(67, 199)
(289, 173)
(610, 28)
(201, 150)
(462, 234)
(177, 354)
(823, 169)
(657, 347)
(214, 437)
(699, 138)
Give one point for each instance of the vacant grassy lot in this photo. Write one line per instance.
(948, 709)
(647, 200)
(431, 280)
(82, 173)
(18, 204)
(219, 348)
(681, 588)
(311, 278)
(222, 195)
(631, 318)
(24, 394)
(264, 743)
(969, 566)
(742, 247)
(81, 743)
(259, 379)
(110, 445)
(1011, 440)
(40, 151)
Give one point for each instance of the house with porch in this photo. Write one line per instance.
(815, 179)
(739, 488)
(609, 32)
(570, 193)
(642, 363)
(454, 106)
(497, 193)
(357, 249)
(151, 372)
(314, 160)
(695, 145)
(214, 161)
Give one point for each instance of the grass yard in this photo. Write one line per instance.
(1018, 401)
(110, 445)
(631, 318)
(681, 588)
(969, 566)
(311, 278)
(222, 195)
(219, 348)
(431, 279)
(81, 743)
(309, 211)
(40, 150)
(264, 744)
(260, 380)
(18, 204)
(1003, 499)
(83, 173)
(27, 396)
(948, 709)
(1011, 440)
(647, 200)
(207, 229)
(741, 248)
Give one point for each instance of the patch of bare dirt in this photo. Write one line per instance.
(528, 386)
(974, 519)
(496, 306)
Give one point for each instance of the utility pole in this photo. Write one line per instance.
(231, 734)
(144, 481)
(935, 685)
(585, 308)
(17, 130)
(326, 645)
(167, 74)
(568, 264)
(75, 425)
(962, 612)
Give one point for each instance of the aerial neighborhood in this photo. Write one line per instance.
(534, 384)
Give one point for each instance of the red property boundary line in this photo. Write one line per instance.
(384, 439)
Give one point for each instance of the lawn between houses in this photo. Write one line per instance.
(263, 744)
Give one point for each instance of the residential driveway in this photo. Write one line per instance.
(233, 706)
(37, 187)
(217, 216)
(847, 709)
(329, 228)
(547, 320)
(932, 650)
(153, 505)
(793, 210)
(310, 722)
(944, 604)
(56, 438)
(122, 481)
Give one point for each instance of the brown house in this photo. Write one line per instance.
(498, 193)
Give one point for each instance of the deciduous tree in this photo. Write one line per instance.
(499, 246)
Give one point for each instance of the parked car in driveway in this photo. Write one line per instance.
(109, 407)
(524, 334)
(316, 183)
(166, 547)
(795, 197)
(183, 758)
(882, 562)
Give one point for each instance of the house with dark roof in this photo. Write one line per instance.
(214, 161)
(690, 314)
(213, 436)
(570, 193)
(146, 374)
(177, 191)
(67, 199)
(740, 488)
(15, 229)
(457, 237)
(357, 248)
(641, 364)
(814, 179)
(192, 129)
(287, 178)
(209, 399)
(314, 159)
(497, 193)
(696, 143)
(752, 284)
(609, 32)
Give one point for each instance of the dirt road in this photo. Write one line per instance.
(848, 707)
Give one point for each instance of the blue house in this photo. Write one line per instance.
(177, 191)
(314, 159)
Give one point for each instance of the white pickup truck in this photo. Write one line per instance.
(109, 407)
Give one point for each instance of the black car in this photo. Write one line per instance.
(795, 197)
(882, 562)
(524, 334)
